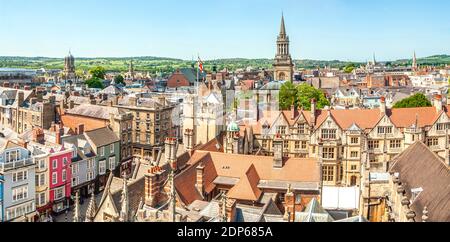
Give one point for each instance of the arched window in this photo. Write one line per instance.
(282, 76)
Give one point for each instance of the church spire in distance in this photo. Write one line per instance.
(282, 27)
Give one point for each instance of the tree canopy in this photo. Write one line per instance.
(94, 83)
(301, 96)
(98, 72)
(415, 101)
(119, 80)
(349, 68)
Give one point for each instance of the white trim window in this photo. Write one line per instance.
(20, 193)
(64, 175)
(59, 193)
(90, 164)
(90, 175)
(64, 161)
(42, 164)
(41, 199)
(54, 178)
(112, 163)
(54, 164)
(75, 168)
(102, 151)
(75, 181)
(111, 148)
(41, 180)
(102, 167)
(20, 176)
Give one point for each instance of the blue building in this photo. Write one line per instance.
(17, 169)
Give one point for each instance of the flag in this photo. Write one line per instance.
(200, 65)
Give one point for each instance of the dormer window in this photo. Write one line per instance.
(329, 134)
(415, 193)
(384, 130)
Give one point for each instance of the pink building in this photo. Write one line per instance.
(59, 178)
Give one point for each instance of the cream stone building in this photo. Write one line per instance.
(203, 115)
(343, 138)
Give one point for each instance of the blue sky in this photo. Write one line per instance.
(318, 29)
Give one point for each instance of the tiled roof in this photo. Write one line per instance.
(366, 119)
(252, 172)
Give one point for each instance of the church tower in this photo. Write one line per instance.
(414, 63)
(284, 67)
(69, 67)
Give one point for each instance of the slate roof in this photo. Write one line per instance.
(419, 167)
(94, 111)
(102, 137)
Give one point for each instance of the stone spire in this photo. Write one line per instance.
(284, 66)
(414, 64)
(76, 213)
(282, 27)
(374, 60)
(124, 212)
(91, 210)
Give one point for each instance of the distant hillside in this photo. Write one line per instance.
(168, 65)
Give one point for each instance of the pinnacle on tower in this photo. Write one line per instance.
(124, 213)
(91, 210)
(77, 214)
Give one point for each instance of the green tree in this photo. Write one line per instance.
(415, 101)
(119, 80)
(98, 72)
(305, 93)
(349, 68)
(288, 95)
(94, 83)
(301, 96)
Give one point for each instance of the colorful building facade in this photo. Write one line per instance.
(18, 184)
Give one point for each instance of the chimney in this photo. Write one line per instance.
(230, 209)
(289, 205)
(294, 112)
(383, 105)
(278, 152)
(23, 143)
(257, 107)
(20, 98)
(154, 180)
(188, 140)
(115, 100)
(59, 134)
(437, 102)
(171, 152)
(313, 112)
(38, 136)
(71, 104)
(236, 138)
(132, 101)
(200, 184)
(51, 99)
(80, 129)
